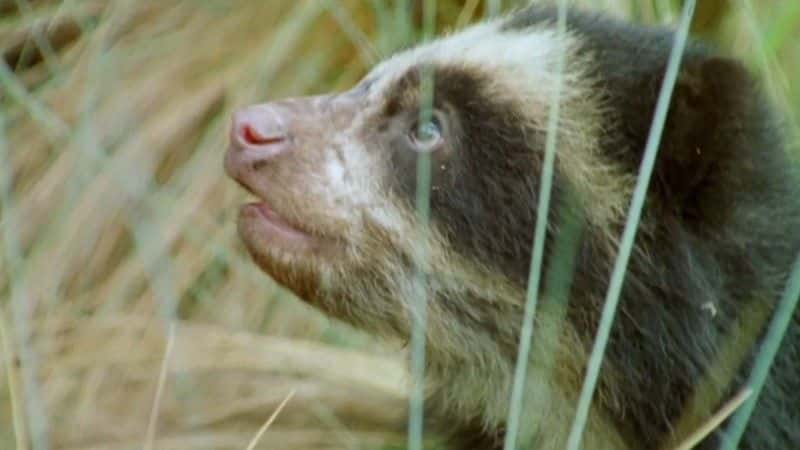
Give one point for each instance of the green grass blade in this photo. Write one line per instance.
(403, 25)
(531, 301)
(777, 83)
(777, 330)
(419, 312)
(631, 225)
(19, 297)
(781, 31)
(493, 7)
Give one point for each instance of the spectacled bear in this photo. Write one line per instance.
(335, 177)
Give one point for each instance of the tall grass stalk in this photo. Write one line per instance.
(270, 420)
(30, 421)
(631, 227)
(404, 28)
(19, 428)
(423, 187)
(777, 83)
(12, 262)
(777, 330)
(715, 421)
(152, 424)
(532, 298)
(53, 126)
(494, 7)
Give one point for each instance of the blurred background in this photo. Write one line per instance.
(130, 316)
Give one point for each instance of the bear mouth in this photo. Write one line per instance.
(261, 223)
(263, 228)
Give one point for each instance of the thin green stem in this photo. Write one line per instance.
(33, 421)
(419, 308)
(494, 7)
(777, 330)
(532, 298)
(631, 226)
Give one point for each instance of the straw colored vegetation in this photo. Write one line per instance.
(130, 317)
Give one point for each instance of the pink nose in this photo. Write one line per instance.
(259, 130)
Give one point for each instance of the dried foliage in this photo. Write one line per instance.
(221, 386)
(121, 218)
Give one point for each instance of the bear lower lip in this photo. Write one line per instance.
(273, 229)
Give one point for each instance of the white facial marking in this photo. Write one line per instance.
(522, 62)
(335, 172)
(521, 68)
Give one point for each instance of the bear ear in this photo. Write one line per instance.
(711, 116)
(714, 86)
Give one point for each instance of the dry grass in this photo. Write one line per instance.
(122, 220)
(117, 220)
(102, 375)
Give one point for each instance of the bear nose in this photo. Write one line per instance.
(259, 130)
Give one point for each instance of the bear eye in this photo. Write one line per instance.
(427, 136)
